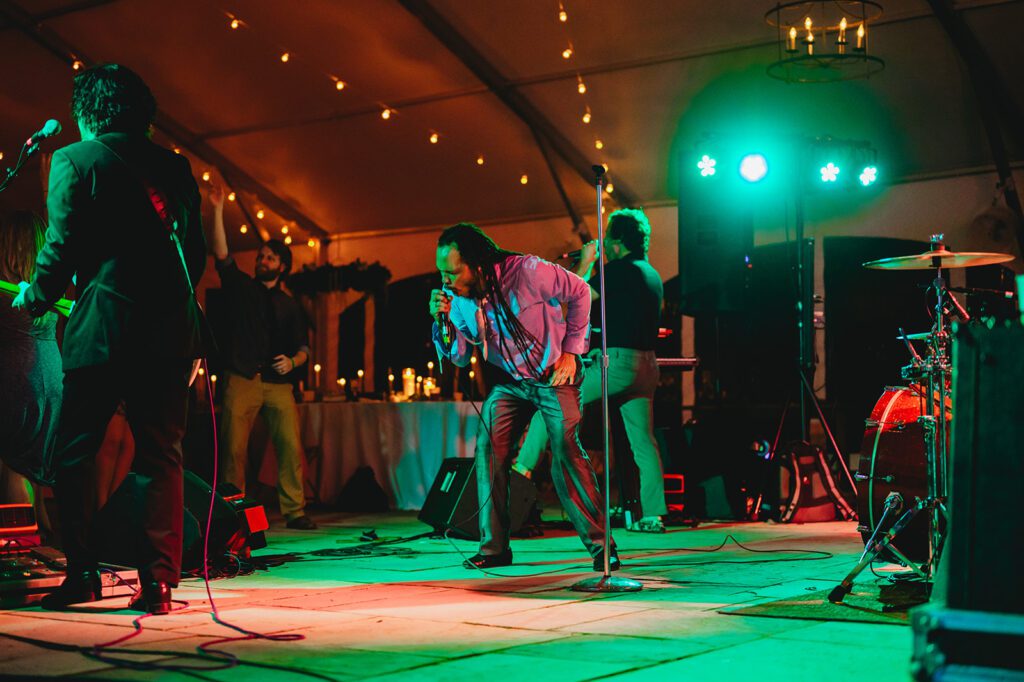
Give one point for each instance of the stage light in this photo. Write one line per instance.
(706, 166)
(868, 175)
(829, 172)
(753, 167)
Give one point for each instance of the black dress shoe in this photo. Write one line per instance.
(489, 560)
(154, 597)
(302, 523)
(613, 561)
(77, 588)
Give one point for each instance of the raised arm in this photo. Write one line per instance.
(218, 238)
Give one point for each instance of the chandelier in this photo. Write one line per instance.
(824, 41)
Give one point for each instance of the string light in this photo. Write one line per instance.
(581, 87)
(586, 115)
(77, 65)
(609, 188)
(563, 16)
(288, 240)
(311, 243)
(243, 229)
(524, 179)
(567, 52)
(386, 114)
(480, 160)
(231, 196)
(434, 138)
(206, 176)
(260, 214)
(177, 150)
(1, 156)
(235, 23)
(339, 84)
(605, 166)
(284, 229)
(285, 56)
(598, 144)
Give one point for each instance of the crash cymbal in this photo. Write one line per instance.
(939, 258)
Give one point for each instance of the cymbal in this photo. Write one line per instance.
(939, 258)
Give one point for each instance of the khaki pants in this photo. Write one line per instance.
(243, 400)
(632, 379)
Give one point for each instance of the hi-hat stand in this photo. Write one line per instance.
(933, 373)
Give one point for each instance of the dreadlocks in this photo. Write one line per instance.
(482, 255)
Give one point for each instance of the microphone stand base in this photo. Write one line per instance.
(607, 583)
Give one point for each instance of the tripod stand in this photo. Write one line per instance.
(805, 370)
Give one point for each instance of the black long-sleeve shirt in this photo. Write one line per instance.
(262, 323)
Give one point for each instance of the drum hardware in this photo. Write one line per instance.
(931, 400)
(864, 477)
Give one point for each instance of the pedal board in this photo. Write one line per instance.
(26, 576)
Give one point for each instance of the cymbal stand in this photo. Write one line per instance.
(935, 369)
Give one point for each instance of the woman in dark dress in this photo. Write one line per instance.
(31, 378)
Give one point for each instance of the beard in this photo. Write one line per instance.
(264, 274)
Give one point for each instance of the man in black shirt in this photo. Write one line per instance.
(634, 297)
(267, 340)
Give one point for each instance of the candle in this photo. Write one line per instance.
(316, 375)
(841, 42)
(809, 40)
(860, 36)
(409, 382)
(213, 384)
(391, 383)
(430, 369)
(360, 375)
(791, 46)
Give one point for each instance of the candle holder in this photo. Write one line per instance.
(824, 54)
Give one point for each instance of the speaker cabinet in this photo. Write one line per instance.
(452, 504)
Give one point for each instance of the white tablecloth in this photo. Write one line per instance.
(403, 443)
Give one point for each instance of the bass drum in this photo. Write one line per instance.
(893, 460)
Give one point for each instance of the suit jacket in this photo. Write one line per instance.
(133, 299)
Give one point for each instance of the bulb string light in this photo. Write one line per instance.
(586, 116)
(342, 87)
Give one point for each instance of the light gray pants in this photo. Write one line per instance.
(632, 379)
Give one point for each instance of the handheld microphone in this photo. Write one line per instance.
(442, 320)
(49, 129)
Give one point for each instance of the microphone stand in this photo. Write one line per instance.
(27, 150)
(607, 582)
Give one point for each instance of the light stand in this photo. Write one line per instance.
(607, 582)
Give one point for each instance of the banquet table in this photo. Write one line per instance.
(404, 444)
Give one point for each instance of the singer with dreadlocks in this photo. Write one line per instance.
(510, 306)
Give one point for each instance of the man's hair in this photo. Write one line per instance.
(630, 226)
(112, 99)
(282, 251)
(481, 254)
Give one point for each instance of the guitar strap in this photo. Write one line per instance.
(160, 205)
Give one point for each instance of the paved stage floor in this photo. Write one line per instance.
(409, 611)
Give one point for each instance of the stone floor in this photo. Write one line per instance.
(409, 611)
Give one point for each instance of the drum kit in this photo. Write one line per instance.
(902, 480)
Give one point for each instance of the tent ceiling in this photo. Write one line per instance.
(658, 75)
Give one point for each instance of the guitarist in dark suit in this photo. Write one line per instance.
(125, 220)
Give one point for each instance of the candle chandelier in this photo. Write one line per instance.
(824, 41)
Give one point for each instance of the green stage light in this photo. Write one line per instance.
(868, 175)
(829, 172)
(753, 167)
(706, 166)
